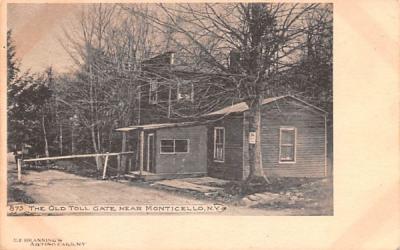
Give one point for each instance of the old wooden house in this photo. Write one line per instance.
(170, 91)
(293, 141)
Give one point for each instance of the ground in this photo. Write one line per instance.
(54, 186)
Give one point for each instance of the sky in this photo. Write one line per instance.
(36, 29)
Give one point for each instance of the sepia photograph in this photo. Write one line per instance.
(170, 108)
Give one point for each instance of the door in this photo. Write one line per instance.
(150, 153)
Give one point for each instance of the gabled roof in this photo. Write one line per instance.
(155, 126)
(236, 108)
(242, 106)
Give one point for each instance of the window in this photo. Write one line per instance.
(287, 149)
(185, 91)
(153, 92)
(167, 146)
(181, 146)
(174, 146)
(219, 144)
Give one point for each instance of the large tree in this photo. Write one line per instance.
(107, 46)
(251, 44)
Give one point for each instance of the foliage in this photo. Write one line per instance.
(27, 100)
(27, 97)
(12, 63)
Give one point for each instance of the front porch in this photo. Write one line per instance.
(164, 151)
(137, 175)
(148, 176)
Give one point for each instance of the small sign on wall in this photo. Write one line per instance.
(252, 137)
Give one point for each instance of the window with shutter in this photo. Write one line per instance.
(153, 98)
(185, 91)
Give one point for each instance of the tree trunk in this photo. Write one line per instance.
(61, 139)
(99, 146)
(98, 160)
(72, 138)
(169, 101)
(256, 174)
(92, 128)
(139, 105)
(46, 145)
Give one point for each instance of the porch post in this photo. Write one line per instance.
(141, 151)
(123, 157)
(118, 165)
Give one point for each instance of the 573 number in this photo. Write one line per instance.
(15, 208)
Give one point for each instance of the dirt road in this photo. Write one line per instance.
(57, 187)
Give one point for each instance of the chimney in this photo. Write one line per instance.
(172, 58)
(234, 60)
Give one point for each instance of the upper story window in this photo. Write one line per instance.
(153, 95)
(287, 145)
(185, 91)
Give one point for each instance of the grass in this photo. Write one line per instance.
(317, 196)
(18, 195)
(276, 185)
(77, 167)
(15, 194)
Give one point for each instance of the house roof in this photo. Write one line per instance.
(161, 59)
(155, 126)
(236, 108)
(242, 106)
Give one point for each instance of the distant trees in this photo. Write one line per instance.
(27, 106)
(12, 63)
(311, 78)
(107, 46)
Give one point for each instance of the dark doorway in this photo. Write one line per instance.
(150, 153)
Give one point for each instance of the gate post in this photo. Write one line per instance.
(19, 163)
(105, 167)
